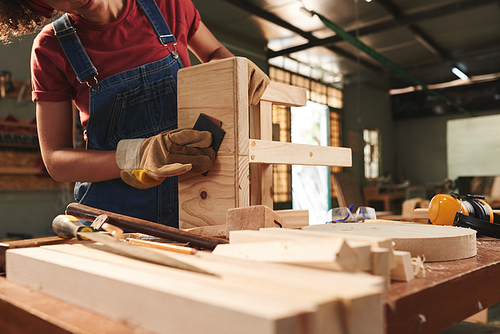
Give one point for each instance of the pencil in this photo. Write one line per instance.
(164, 246)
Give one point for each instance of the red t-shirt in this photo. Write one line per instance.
(126, 43)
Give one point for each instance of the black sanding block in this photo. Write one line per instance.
(212, 125)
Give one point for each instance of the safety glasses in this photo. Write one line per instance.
(345, 215)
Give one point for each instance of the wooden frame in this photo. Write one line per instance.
(220, 89)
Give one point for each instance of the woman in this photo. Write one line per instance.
(117, 61)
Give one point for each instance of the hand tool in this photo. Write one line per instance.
(165, 246)
(212, 125)
(68, 225)
(143, 226)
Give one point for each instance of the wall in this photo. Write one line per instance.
(15, 58)
(25, 213)
(367, 106)
(421, 144)
(413, 149)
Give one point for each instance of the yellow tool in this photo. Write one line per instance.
(443, 208)
(67, 226)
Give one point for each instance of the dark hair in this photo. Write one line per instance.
(16, 20)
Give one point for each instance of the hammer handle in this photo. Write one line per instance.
(87, 213)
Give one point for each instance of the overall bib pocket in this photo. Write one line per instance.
(137, 113)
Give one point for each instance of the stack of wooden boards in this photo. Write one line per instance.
(320, 279)
(381, 247)
(240, 297)
(321, 250)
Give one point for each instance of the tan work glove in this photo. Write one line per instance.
(146, 162)
(257, 83)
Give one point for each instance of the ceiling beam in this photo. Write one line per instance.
(390, 24)
(257, 11)
(476, 56)
(422, 37)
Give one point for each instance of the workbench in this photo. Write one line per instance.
(449, 292)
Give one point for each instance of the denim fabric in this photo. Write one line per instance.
(137, 103)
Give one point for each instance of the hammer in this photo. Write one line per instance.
(143, 226)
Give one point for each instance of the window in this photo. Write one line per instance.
(371, 153)
(310, 184)
(331, 99)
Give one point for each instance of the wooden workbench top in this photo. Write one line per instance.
(449, 293)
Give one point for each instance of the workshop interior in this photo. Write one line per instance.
(372, 162)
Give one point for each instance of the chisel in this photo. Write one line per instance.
(67, 226)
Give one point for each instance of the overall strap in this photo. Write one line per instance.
(74, 50)
(78, 57)
(155, 17)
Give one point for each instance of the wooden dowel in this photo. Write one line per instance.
(164, 246)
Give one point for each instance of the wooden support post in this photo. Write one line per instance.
(204, 200)
(262, 174)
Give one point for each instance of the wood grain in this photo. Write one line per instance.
(435, 243)
(273, 152)
(449, 293)
(285, 95)
(204, 200)
(247, 297)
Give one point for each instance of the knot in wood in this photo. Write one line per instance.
(203, 194)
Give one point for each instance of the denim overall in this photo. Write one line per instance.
(137, 103)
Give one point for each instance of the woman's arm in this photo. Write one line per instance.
(206, 47)
(63, 162)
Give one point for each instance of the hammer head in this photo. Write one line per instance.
(99, 221)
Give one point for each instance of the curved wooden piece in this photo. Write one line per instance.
(436, 243)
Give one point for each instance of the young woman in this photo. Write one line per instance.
(117, 61)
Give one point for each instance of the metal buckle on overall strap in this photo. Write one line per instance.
(95, 87)
(174, 52)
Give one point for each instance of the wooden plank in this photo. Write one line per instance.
(204, 200)
(359, 295)
(273, 152)
(285, 95)
(252, 218)
(365, 263)
(264, 283)
(28, 311)
(435, 243)
(374, 240)
(121, 293)
(36, 242)
(362, 248)
(332, 254)
(261, 175)
(294, 218)
(403, 270)
(381, 264)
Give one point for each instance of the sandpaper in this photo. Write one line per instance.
(212, 125)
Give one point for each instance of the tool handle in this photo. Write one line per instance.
(143, 226)
(67, 226)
